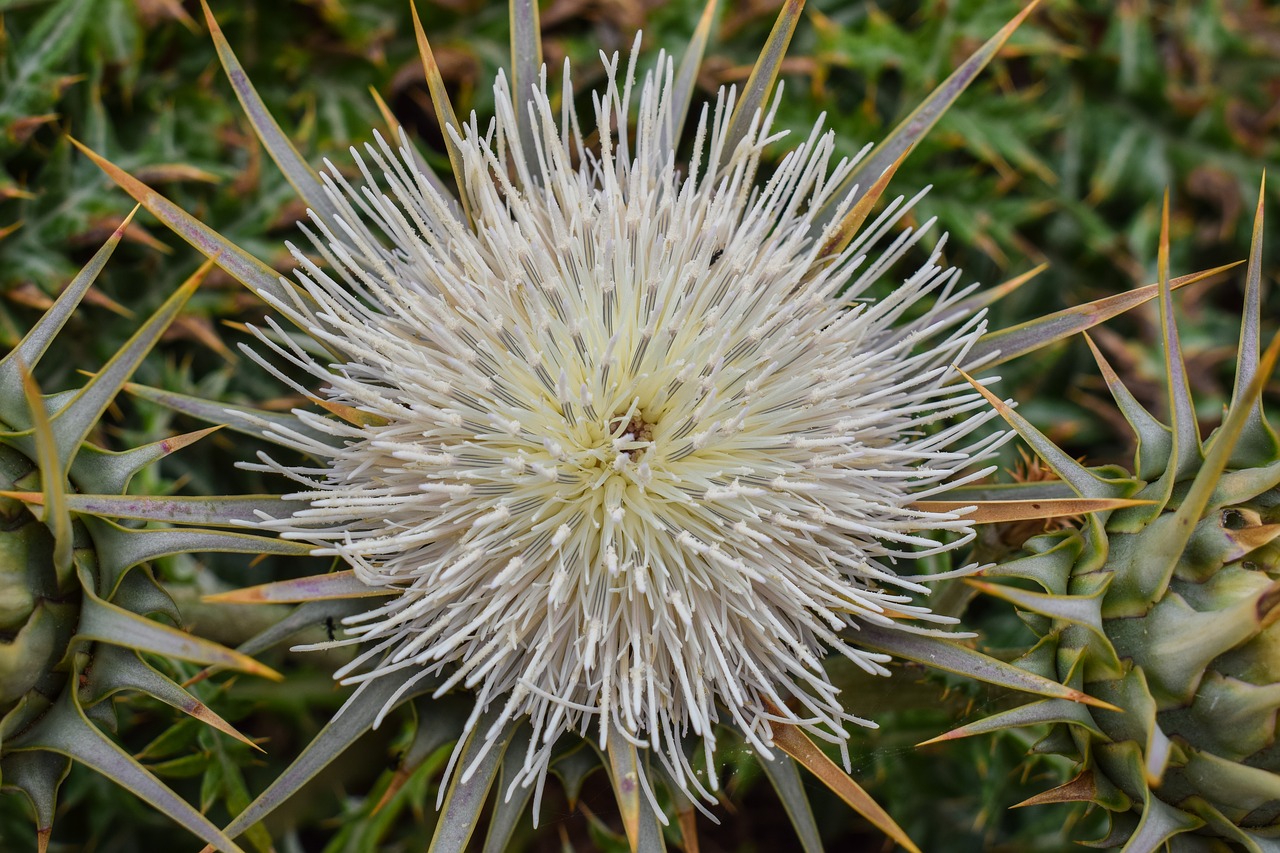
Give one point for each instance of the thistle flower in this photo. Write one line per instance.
(632, 452)
(627, 445)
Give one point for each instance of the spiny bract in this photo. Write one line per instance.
(74, 588)
(1168, 612)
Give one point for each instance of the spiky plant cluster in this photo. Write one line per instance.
(1167, 612)
(75, 590)
(605, 443)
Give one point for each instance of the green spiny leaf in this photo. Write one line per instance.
(950, 656)
(38, 775)
(1004, 344)
(477, 766)
(526, 64)
(238, 263)
(99, 470)
(1186, 429)
(105, 622)
(53, 477)
(687, 76)
(1159, 823)
(1259, 444)
(116, 669)
(121, 548)
(444, 110)
(639, 818)
(1083, 608)
(355, 718)
(1246, 788)
(922, 118)
(764, 73)
(72, 423)
(242, 419)
(1086, 483)
(333, 585)
(1155, 442)
(65, 730)
(1170, 548)
(278, 145)
(179, 509)
(34, 344)
(784, 775)
(301, 618)
(509, 804)
(1032, 714)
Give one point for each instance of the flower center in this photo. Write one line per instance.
(611, 453)
(639, 429)
(626, 447)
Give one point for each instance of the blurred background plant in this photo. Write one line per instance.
(1058, 154)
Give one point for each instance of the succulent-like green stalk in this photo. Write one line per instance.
(75, 591)
(1168, 611)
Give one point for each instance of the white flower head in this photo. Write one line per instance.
(632, 454)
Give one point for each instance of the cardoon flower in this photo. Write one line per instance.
(631, 450)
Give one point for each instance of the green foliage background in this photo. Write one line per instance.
(1058, 154)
